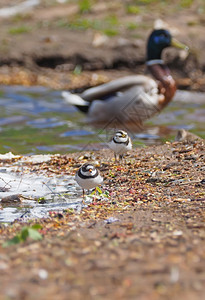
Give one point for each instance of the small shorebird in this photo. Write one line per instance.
(88, 177)
(120, 144)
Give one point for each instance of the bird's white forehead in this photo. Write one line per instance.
(120, 133)
(89, 167)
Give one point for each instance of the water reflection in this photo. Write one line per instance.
(37, 120)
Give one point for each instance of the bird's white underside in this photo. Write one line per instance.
(119, 148)
(89, 183)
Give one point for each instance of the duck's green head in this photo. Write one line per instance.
(158, 40)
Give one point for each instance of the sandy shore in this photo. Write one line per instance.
(144, 241)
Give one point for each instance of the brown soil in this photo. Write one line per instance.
(155, 248)
(38, 48)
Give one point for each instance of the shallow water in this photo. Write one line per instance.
(37, 121)
(26, 195)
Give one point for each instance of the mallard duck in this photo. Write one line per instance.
(132, 98)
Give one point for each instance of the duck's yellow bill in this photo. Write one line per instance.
(175, 43)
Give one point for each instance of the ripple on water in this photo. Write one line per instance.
(37, 119)
(45, 123)
(77, 132)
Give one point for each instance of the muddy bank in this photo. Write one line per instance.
(146, 240)
(68, 46)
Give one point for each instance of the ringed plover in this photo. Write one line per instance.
(121, 143)
(88, 177)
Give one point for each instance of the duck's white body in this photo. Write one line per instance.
(131, 98)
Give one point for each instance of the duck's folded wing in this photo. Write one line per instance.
(134, 105)
(118, 85)
(74, 99)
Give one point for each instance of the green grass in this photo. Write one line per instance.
(85, 5)
(133, 9)
(109, 25)
(186, 3)
(110, 32)
(139, 6)
(79, 23)
(19, 30)
(25, 233)
(111, 20)
(132, 26)
(77, 70)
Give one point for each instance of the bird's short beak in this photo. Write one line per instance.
(175, 43)
(90, 170)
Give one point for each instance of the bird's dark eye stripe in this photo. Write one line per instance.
(87, 167)
(87, 176)
(120, 132)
